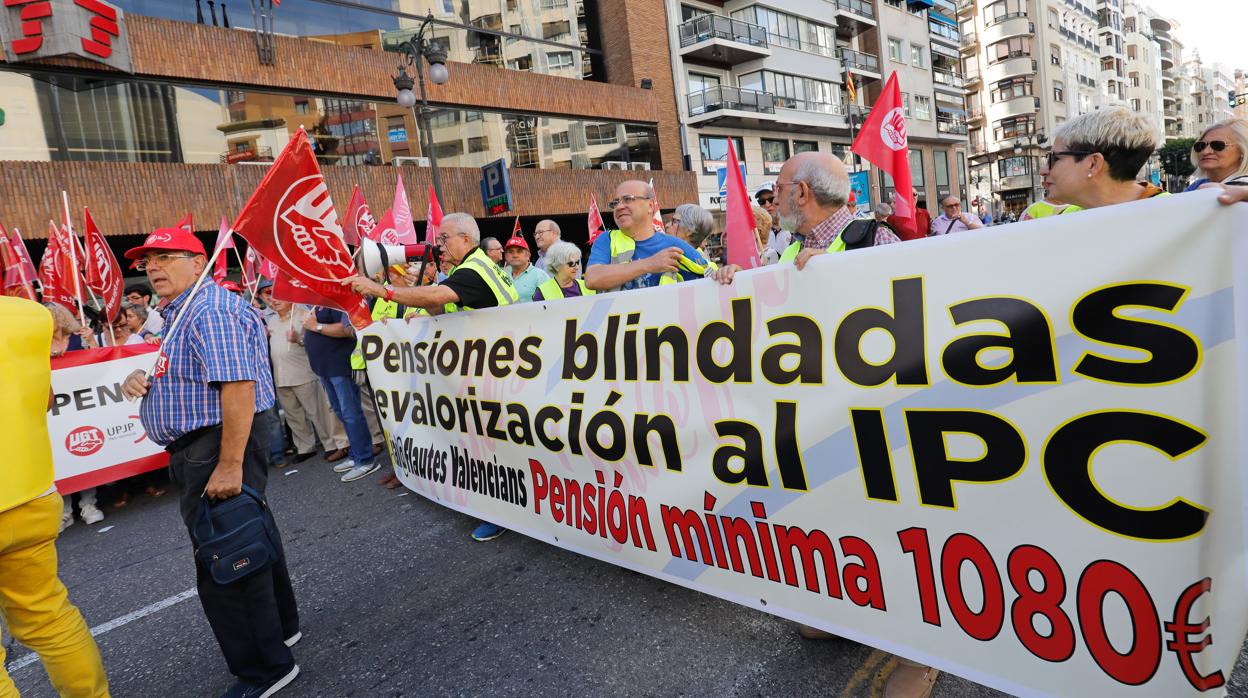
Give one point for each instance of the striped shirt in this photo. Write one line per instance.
(220, 340)
(830, 228)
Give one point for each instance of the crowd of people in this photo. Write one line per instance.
(233, 370)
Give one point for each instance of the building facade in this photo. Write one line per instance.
(772, 80)
(209, 104)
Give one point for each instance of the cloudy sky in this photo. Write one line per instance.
(1217, 27)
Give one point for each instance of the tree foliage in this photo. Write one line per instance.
(1175, 156)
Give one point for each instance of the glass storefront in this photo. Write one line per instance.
(558, 37)
(63, 118)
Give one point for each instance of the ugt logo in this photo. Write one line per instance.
(84, 441)
(307, 212)
(893, 129)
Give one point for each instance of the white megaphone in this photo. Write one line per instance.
(376, 257)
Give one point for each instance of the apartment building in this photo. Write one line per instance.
(771, 79)
(1029, 66)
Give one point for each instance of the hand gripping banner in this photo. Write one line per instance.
(1015, 455)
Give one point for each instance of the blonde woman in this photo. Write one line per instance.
(762, 235)
(1221, 154)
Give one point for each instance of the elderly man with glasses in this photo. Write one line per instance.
(952, 219)
(636, 255)
(545, 234)
(208, 403)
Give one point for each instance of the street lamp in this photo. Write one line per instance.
(417, 50)
(1039, 139)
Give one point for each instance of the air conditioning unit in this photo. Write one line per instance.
(614, 165)
(406, 160)
(638, 165)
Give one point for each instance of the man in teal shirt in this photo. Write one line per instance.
(524, 276)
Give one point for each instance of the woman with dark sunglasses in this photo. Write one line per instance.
(1221, 154)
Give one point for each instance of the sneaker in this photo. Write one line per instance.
(67, 520)
(360, 471)
(344, 466)
(242, 689)
(487, 531)
(294, 639)
(91, 514)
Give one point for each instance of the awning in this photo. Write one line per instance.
(936, 15)
(920, 3)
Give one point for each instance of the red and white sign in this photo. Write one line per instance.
(92, 29)
(360, 222)
(96, 434)
(103, 273)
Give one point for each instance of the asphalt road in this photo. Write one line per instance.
(396, 599)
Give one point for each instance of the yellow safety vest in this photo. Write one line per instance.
(838, 245)
(381, 309)
(483, 266)
(25, 345)
(551, 290)
(1044, 209)
(624, 247)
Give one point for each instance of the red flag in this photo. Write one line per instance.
(225, 241)
(290, 219)
(433, 218)
(291, 290)
(359, 221)
(55, 275)
(186, 224)
(882, 141)
(739, 237)
(516, 232)
(103, 273)
(11, 264)
(404, 227)
(386, 234)
(26, 271)
(595, 223)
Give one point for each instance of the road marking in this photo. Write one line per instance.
(116, 623)
(862, 672)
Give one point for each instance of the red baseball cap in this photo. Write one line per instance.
(231, 286)
(168, 239)
(517, 241)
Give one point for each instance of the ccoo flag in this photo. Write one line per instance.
(882, 141)
(290, 220)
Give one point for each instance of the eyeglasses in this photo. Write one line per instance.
(764, 200)
(673, 221)
(443, 238)
(536, 233)
(574, 263)
(159, 260)
(1218, 146)
(1054, 155)
(627, 200)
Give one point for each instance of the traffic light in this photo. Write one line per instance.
(1237, 100)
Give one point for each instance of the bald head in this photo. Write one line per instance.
(546, 234)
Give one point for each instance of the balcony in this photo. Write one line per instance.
(1017, 25)
(1167, 59)
(948, 79)
(974, 113)
(723, 40)
(944, 32)
(853, 17)
(966, 6)
(251, 154)
(1086, 81)
(1026, 181)
(1171, 114)
(950, 126)
(970, 41)
(1016, 106)
(971, 79)
(861, 63)
(1010, 67)
(731, 106)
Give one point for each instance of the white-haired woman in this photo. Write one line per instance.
(1221, 154)
(1096, 156)
(563, 263)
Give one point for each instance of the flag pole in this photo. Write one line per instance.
(73, 258)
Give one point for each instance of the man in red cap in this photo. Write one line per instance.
(208, 403)
(524, 276)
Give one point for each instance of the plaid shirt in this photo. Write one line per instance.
(221, 340)
(826, 231)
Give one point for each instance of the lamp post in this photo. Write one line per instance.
(1039, 140)
(417, 50)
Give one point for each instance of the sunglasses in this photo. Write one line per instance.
(1218, 146)
(764, 200)
(1054, 155)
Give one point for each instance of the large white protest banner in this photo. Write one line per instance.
(1014, 454)
(96, 434)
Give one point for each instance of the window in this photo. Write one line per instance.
(894, 50)
(795, 92)
(559, 140)
(1009, 89)
(478, 144)
(1054, 22)
(560, 59)
(905, 104)
(553, 4)
(1131, 52)
(714, 150)
(1007, 129)
(1003, 10)
(699, 82)
(600, 134)
(916, 167)
(923, 107)
(805, 147)
(449, 149)
(774, 154)
(521, 63)
(1055, 55)
(552, 31)
(916, 55)
(1010, 48)
(941, 158)
(1059, 91)
(1016, 166)
(791, 31)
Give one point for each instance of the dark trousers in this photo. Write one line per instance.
(250, 618)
